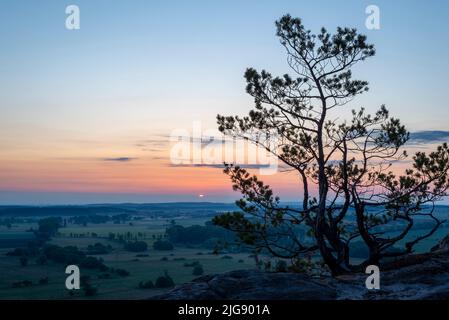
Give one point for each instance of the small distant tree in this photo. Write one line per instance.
(146, 284)
(198, 270)
(350, 161)
(136, 246)
(122, 272)
(23, 261)
(49, 226)
(281, 266)
(164, 281)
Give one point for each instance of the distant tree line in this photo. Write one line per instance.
(164, 281)
(8, 222)
(97, 219)
(197, 235)
(98, 248)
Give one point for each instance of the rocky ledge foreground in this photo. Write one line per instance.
(417, 277)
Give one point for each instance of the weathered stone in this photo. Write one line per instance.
(253, 284)
(417, 278)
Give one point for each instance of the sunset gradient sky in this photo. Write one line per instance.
(85, 115)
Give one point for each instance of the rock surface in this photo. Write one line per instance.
(424, 277)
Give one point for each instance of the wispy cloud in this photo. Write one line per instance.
(220, 166)
(157, 143)
(429, 136)
(119, 159)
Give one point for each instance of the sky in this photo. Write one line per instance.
(86, 115)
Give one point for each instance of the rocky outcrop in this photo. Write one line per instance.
(253, 284)
(442, 245)
(417, 279)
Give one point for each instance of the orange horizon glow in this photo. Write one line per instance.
(141, 174)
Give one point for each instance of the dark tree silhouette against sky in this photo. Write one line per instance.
(349, 160)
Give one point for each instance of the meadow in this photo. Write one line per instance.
(143, 224)
(142, 266)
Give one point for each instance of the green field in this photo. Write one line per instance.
(140, 268)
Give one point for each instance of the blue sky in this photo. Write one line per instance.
(138, 69)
